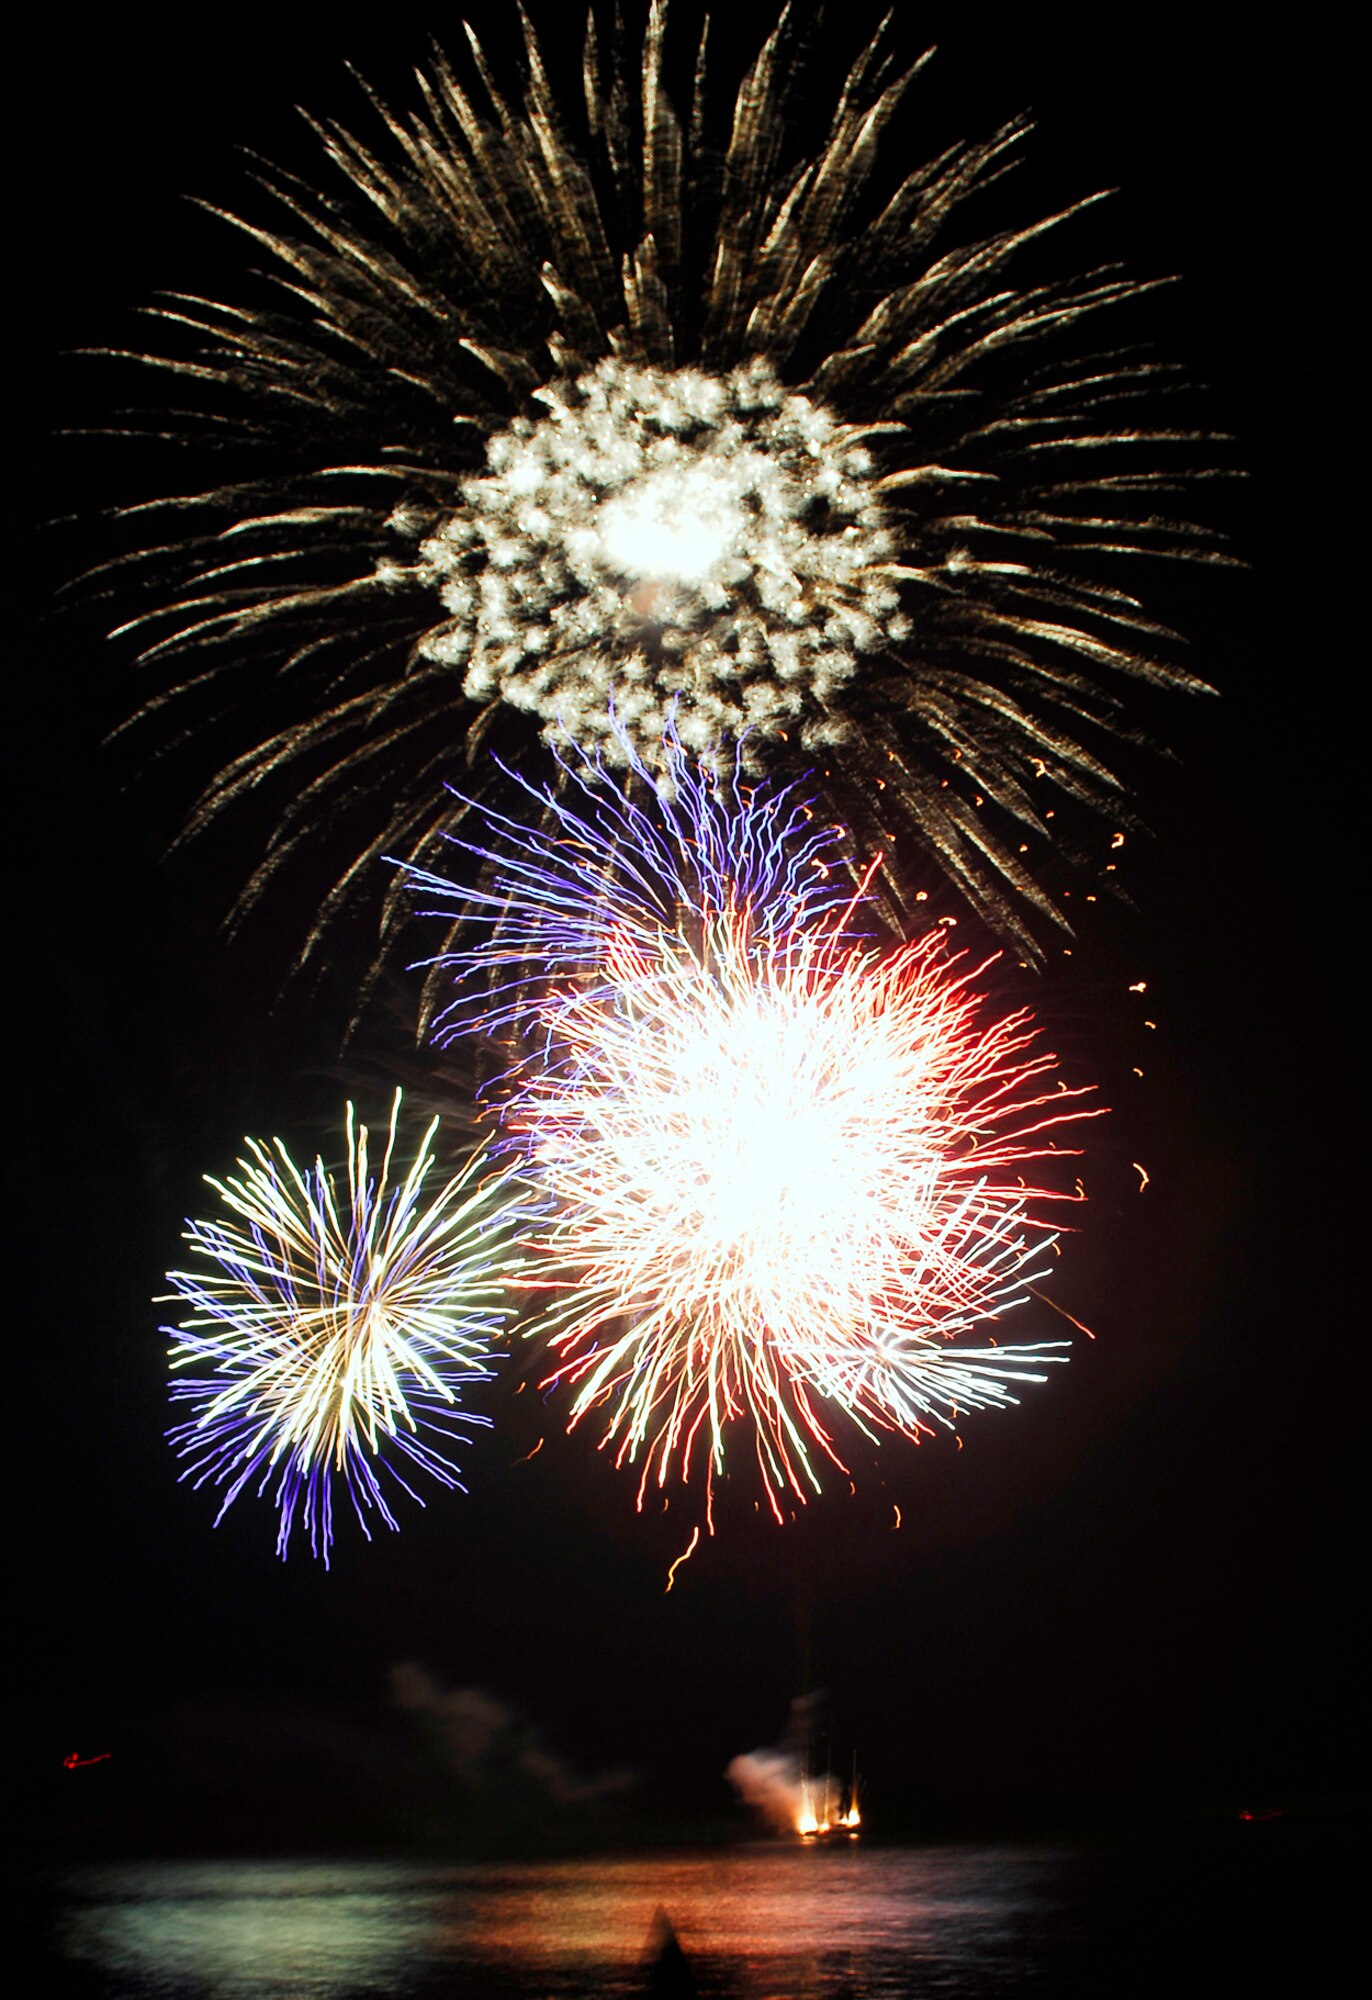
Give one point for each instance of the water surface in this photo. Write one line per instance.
(757, 1923)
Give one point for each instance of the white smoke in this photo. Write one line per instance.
(489, 1746)
(780, 1784)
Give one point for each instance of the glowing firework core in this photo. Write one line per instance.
(665, 536)
(677, 525)
(758, 1118)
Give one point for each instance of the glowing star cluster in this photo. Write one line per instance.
(785, 1182)
(329, 1325)
(667, 542)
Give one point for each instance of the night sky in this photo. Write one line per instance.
(1133, 1593)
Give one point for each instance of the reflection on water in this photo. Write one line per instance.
(312, 1930)
(853, 1921)
(757, 1923)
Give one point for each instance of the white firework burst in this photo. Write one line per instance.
(654, 398)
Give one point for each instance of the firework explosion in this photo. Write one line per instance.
(329, 1326)
(786, 1179)
(569, 415)
(784, 1167)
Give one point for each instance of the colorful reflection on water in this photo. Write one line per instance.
(822, 1921)
(756, 1923)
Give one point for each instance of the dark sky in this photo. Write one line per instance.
(1136, 1586)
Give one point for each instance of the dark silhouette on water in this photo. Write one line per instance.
(669, 1971)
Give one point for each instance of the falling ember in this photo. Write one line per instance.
(1062, 1313)
(685, 1555)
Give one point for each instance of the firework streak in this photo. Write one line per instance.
(329, 1326)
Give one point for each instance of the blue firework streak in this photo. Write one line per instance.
(329, 1326)
(600, 866)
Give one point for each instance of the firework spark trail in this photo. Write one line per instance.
(784, 1180)
(557, 414)
(328, 1326)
